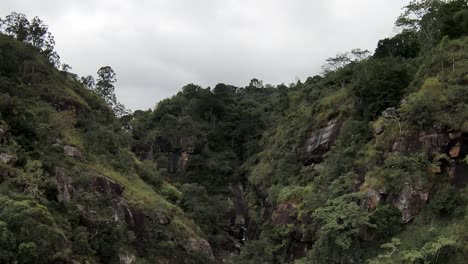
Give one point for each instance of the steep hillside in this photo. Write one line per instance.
(366, 163)
(71, 189)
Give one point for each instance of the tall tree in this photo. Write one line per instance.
(38, 33)
(105, 85)
(106, 89)
(88, 82)
(17, 25)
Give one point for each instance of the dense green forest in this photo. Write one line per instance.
(365, 163)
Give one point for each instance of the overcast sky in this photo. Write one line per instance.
(158, 46)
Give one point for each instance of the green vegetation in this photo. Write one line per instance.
(364, 164)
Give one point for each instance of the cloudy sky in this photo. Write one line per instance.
(157, 46)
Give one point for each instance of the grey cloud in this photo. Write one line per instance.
(156, 47)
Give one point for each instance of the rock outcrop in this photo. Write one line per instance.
(2, 135)
(72, 152)
(64, 185)
(238, 218)
(178, 150)
(7, 158)
(431, 144)
(319, 142)
(435, 143)
(200, 246)
(373, 198)
(105, 186)
(283, 214)
(458, 169)
(410, 202)
(302, 236)
(178, 160)
(127, 258)
(122, 211)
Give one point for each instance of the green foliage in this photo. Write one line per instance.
(399, 169)
(341, 221)
(271, 247)
(148, 172)
(207, 211)
(431, 252)
(32, 230)
(421, 106)
(385, 221)
(178, 163)
(404, 45)
(382, 85)
(445, 200)
(33, 32)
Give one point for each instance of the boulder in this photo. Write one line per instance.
(319, 142)
(127, 258)
(389, 112)
(434, 169)
(372, 199)
(8, 159)
(72, 152)
(64, 186)
(454, 151)
(200, 246)
(408, 144)
(410, 202)
(378, 129)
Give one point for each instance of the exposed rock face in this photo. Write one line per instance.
(72, 152)
(405, 145)
(458, 174)
(239, 217)
(122, 211)
(179, 152)
(64, 186)
(282, 214)
(200, 246)
(240, 205)
(189, 144)
(434, 143)
(236, 224)
(430, 144)
(372, 199)
(390, 112)
(105, 186)
(4, 174)
(127, 258)
(410, 202)
(2, 135)
(458, 171)
(177, 161)
(319, 142)
(302, 236)
(173, 166)
(7, 158)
